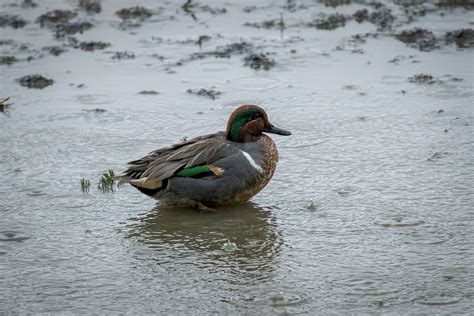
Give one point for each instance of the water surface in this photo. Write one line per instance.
(370, 209)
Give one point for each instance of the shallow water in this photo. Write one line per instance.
(370, 210)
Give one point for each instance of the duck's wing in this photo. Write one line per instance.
(150, 171)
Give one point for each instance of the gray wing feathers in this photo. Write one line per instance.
(164, 163)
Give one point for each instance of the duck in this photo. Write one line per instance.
(224, 168)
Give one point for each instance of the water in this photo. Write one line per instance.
(370, 209)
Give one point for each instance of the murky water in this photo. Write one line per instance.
(370, 210)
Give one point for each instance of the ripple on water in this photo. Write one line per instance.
(94, 99)
(393, 80)
(284, 298)
(254, 83)
(346, 191)
(437, 299)
(240, 240)
(214, 66)
(400, 222)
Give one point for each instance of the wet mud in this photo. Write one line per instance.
(12, 21)
(208, 93)
(123, 55)
(90, 6)
(148, 92)
(331, 22)
(422, 39)
(35, 82)
(259, 61)
(462, 38)
(54, 18)
(137, 12)
(91, 46)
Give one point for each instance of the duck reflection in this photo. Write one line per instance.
(241, 240)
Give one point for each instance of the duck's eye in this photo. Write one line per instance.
(253, 117)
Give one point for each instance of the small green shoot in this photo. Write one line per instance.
(85, 185)
(107, 181)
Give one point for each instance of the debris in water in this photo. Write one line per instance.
(210, 93)
(12, 21)
(206, 8)
(311, 206)
(54, 50)
(28, 4)
(335, 3)
(91, 46)
(203, 38)
(463, 38)
(91, 6)
(97, 110)
(123, 55)
(419, 38)
(4, 104)
(137, 12)
(423, 79)
(148, 92)
(35, 81)
(51, 18)
(85, 185)
(7, 60)
(361, 15)
(259, 61)
(382, 17)
(230, 246)
(269, 24)
(332, 22)
(438, 155)
(231, 49)
(71, 28)
(187, 7)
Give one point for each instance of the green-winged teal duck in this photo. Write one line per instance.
(216, 169)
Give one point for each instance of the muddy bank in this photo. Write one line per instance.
(12, 21)
(208, 93)
(90, 6)
(425, 40)
(35, 82)
(259, 61)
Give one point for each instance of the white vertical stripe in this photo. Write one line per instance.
(251, 161)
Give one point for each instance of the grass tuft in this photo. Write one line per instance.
(85, 185)
(106, 182)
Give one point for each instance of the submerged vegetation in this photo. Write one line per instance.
(85, 185)
(107, 182)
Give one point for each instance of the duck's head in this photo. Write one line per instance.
(248, 122)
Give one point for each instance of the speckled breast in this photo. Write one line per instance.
(268, 169)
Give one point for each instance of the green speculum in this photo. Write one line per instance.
(193, 171)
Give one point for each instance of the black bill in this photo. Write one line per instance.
(275, 130)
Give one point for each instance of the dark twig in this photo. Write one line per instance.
(4, 104)
(187, 8)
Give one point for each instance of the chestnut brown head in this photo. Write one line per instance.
(248, 122)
